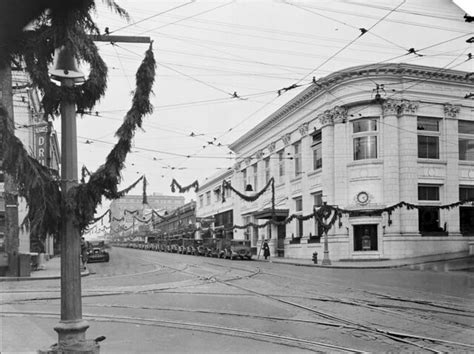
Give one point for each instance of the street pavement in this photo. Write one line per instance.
(440, 262)
(40, 335)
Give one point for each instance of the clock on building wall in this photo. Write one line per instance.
(362, 198)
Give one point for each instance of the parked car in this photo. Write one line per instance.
(97, 252)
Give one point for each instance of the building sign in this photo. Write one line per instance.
(40, 143)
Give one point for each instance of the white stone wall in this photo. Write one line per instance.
(392, 177)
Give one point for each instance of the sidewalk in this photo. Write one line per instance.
(52, 271)
(413, 263)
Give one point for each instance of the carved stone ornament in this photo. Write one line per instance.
(408, 107)
(286, 138)
(247, 161)
(339, 114)
(303, 128)
(259, 154)
(451, 111)
(237, 166)
(332, 116)
(272, 146)
(391, 107)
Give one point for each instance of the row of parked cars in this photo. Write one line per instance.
(221, 248)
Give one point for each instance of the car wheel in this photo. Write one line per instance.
(107, 258)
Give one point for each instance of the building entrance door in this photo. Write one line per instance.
(365, 237)
(281, 232)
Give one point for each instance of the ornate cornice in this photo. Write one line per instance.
(259, 154)
(408, 107)
(451, 111)
(400, 70)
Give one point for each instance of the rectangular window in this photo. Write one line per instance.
(298, 210)
(428, 221)
(255, 177)
(317, 151)
(428, 193)
(317, 202)
(365, 138)
(244, 178)
(2, 177)
(297, 158)
(201, 200)
(427, 124)
(365, 148)
(428, 138)
(466, 140)
(428, 147)
(281, 163)
(267, 169)
(466, 193)
(365, 125)
(2, 231)
(208, 198)
(217, 194)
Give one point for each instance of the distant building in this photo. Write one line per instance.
(129, 212)
(362, 147)
(177, 224)
(40, 141)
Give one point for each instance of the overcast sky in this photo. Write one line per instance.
(207, 50)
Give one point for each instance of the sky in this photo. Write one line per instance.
(208, 50)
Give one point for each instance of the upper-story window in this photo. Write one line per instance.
(428, 138)
(466, 140)
(281, 164)
(298, 211)
(208, 197)
(201, 200)
(365, 138)
(297, 158)
(255, 176)
(267, 169)
(217, 194)
(317, 151)
(244, 178)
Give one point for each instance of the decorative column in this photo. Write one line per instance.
(340, 157)
(391, 160)
(451, 156)
(408, 159)
(326, 120)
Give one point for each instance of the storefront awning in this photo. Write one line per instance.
(280, 214)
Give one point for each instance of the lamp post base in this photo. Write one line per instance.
(326, 260)
(72, 339)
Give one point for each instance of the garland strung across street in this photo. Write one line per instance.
(174, 184)
(40, 188)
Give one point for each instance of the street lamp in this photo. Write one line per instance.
(71, 328)
(324, 214)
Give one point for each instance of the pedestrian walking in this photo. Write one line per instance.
(266, 249)
(83, 252)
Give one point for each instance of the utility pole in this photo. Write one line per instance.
(72, 328)
(11, 241)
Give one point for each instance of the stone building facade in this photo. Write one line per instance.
(364, 139)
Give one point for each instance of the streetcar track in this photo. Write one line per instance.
(288, 341)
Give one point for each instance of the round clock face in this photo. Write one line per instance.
(362, 197)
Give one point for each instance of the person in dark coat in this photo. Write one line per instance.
(266, 249)
(84, 247)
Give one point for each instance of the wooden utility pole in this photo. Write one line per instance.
(11, 242)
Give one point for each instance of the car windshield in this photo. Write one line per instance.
(96, 244)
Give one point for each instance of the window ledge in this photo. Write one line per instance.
(315, 172)
(432, 161)
(296, 179)
(365, 162)
(466, 162)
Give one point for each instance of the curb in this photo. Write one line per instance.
(47, 277)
